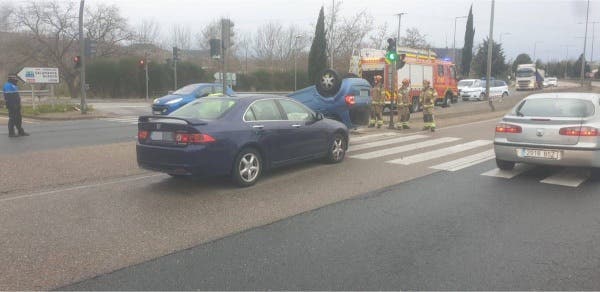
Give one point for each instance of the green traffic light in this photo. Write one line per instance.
(391, 56)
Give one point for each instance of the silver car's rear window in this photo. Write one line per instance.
(555, 107)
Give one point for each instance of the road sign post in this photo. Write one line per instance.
(34, 76)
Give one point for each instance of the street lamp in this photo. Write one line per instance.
(296, 60)
(587, 18)
(593, 36)
(399, 23)
(504, 33)
(534, 49)
(454, 42)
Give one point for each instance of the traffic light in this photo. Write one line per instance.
(391, 55)
(142, 64)
(215, 48)
(175, 53)
(77, 61)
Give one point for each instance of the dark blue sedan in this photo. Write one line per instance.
(239, 136)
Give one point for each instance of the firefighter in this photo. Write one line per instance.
(427, 99)
(403, 105)
(378, 101)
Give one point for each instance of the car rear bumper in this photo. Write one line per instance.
(197, 160)
(570, 156)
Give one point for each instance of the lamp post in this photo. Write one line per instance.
(454, 42)
(489, 58)
(296, 60)
(587, 17)
(399, 24)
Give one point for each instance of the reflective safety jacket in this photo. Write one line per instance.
(427, 99)
(404, 96)
(377, 94)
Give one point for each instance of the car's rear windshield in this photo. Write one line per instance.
(555, 107)
(205, 109)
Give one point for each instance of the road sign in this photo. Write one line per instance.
(39, 75)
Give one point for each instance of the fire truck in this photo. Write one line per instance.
(416, 66)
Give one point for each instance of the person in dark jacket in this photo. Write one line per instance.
(13, 103)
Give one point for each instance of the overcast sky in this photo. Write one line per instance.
(552, 24)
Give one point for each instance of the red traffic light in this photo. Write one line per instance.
(77, 61)
(142, 62)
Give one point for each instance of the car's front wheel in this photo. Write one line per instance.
(505, 165)
(337, 149)
(247, 168)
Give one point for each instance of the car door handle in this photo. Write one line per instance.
(258, 127)
(296, 126)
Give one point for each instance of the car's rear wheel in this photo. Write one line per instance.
(247, 168)
(329, 83)
(481, 96)
(505, 94)
(337, 149)
(505, 165)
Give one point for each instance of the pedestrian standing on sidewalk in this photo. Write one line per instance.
(13, 103)
(427, 99)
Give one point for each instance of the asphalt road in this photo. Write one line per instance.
(444, 231)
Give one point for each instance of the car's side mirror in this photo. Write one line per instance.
(319, 116)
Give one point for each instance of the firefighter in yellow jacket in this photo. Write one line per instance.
(403, 105)
(377, 103)
(427, 99)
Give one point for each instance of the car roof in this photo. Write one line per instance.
(467, 80)
(574, 95)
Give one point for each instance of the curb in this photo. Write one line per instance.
(72, 118)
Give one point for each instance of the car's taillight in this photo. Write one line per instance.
(185, 138)
(508, 128)
(142, 135)
(350, 100)
(579, 131)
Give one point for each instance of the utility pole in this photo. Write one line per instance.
(585, 43)
(331, 34)
(489, 58)
(224, 44)
(175, 59)
(535, 50)
(296, 61)
(83, 104)
(454, 42)
(146, 69)
(593, 37)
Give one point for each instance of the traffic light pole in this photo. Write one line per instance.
(82, 59)
(175, 73)
(224, 34)
(146, 69)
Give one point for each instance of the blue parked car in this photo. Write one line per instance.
(347, 101)
(237, 136)
(169, 103)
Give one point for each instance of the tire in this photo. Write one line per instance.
(247, 168)
(505, 94)
(481, 97)
(505, 165)
(415, 105)
(329, 83)
(337, 149)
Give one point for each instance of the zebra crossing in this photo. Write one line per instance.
(409, 150)
(131, 120)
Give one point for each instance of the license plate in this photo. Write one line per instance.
(156, 112)
(539, 153)
(161, 136)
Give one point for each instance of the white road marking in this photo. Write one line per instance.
(568, 177)
(127, 119)
(467, 161)
(440, 152)
(508, 174)
(371, 137)
(80, 187)
(385, 142)
(404, 148)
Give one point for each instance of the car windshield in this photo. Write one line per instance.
(465, 83)
(477, 84)
(555, 108)
(205, 109)
(525, 73)
(186, 90)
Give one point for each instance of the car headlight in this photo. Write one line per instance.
(174, 101)
(155, 101)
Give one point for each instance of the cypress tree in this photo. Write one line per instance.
(467, 51)
(317, 58)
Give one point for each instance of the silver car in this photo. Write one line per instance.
(551, 129)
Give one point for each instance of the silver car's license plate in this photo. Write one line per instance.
(156, 112)
(540, 153)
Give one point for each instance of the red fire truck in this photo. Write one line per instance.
(418, 65)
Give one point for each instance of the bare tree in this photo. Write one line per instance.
(147, 32)
(53, 27)
(414, 39)
(181, 37)
(6, 10)
(277, 46)
(105, 25)
(379, 36)
(348, 33)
